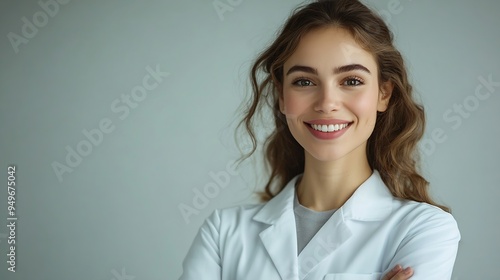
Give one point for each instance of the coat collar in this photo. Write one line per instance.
(372, 201)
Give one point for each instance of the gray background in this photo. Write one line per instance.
(116, 214)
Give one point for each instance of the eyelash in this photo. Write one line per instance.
(350, 78)
(357, 79)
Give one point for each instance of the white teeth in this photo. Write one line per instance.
(329, 128)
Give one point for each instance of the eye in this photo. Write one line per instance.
(352, 82)
(302, 82)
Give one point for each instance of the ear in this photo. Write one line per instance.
(384, 96)
(282, 105)
(281, 100)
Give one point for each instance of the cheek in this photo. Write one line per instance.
(365, 107)
(293, 106)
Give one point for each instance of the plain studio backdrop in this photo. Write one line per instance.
(119, 118)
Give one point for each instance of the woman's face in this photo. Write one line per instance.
(331, 94)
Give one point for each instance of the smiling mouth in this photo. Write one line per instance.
(329, 128)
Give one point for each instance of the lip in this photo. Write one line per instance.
(327, 135)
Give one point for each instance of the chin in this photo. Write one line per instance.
(328, 157)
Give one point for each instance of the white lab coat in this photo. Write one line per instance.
(371, 233)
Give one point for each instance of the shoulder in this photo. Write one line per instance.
(234, 215)
(419, 218)
(261, 213)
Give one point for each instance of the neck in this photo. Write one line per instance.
(328, 185)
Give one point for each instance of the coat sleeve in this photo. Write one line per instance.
(203, 259)
(430, 246)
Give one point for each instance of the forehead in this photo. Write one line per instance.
(330, 47)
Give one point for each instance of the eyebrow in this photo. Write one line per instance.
(337, 70)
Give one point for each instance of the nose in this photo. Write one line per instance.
(328, 99)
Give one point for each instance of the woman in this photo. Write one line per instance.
(344, 199)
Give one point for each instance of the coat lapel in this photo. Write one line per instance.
(280, 238)
(331, 236)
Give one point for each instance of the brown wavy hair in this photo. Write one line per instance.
(392, 147)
